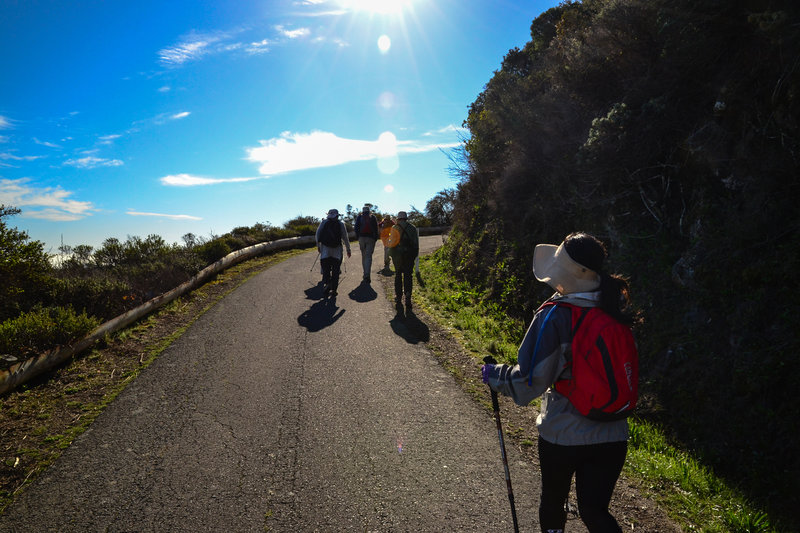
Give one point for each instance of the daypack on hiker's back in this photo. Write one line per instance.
(366, 225)
(602, 381)
(331, 234)
(401, 247)
(398, 238)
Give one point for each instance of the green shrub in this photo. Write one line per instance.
(42, 329)
(100, 297)
(213, 251)
(302, 225)
(24, 268)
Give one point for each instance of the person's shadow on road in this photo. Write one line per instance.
(317, 292)
(410, 328)
(320, 315)
(363, 293)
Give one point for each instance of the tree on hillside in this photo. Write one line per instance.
(24, 268)
(439, 209)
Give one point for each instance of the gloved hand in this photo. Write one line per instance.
(485, 370)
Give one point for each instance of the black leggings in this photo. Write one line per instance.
(596, 468)
(331, 267)
(403, 283)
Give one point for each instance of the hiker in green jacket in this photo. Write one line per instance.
(404, 249)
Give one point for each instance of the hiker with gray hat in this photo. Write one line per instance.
(331, 234)
(404, 249)
(590, 447)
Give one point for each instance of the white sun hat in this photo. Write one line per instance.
(553, 265)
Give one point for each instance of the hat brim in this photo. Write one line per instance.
(553, 265)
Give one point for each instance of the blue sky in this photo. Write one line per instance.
(122, 118)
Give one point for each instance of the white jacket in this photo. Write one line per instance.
(333, 251)
(559, 422)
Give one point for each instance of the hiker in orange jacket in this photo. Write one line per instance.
(386, 229)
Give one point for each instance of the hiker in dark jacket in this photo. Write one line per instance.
(331, 234)
(404, 249)
(569, 443)
(366, 228)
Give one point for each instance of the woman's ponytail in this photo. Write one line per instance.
(615, 297)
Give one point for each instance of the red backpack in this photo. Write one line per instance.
(604, 382)
(366, 225)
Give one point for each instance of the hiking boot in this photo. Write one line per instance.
(399, 307)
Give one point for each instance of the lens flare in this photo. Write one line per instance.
(386, 100)
(388, 162)
(384, 43)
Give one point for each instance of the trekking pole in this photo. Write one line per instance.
(314, 263)
(489, 360)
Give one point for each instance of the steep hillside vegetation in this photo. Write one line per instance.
(669, 129)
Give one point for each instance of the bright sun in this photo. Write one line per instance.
(377, 6)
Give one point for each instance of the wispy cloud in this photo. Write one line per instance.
(162, 215)
(292, 34)
(258, 47)
(108, 139)
(158, 120)
(45, 143)
(9, 156)
(198, 46)
(90, 162)
(321, 8)
(447, 130)
(189, 180)
(191, 48)
(5, 123)
(47, 203)
(301, 151)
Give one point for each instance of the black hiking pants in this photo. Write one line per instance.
(331, 267)
(403, 283)
(596, 468)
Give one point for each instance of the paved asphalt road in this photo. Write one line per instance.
(277, 411)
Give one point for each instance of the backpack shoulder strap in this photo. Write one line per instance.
(553, 306)
(582, 312)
